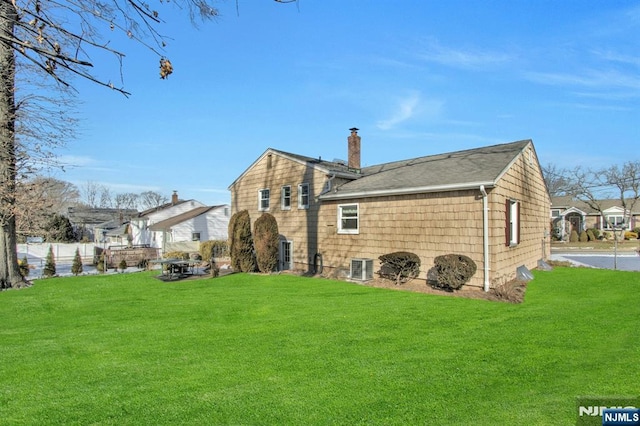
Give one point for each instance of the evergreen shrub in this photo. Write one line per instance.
(23, 264)
(574, 237)
(76, 266)
(266, 239)
(50, 264)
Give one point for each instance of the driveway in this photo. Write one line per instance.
(624, 261)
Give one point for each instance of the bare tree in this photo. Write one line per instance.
(54, 36)
(126, 201)
(593, 187)
(90, 192)
(556, 179)
(40, 199)
(105, 197)
(152, 199)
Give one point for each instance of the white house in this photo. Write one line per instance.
(179, 220)
(199, 224)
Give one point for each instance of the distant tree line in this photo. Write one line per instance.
(43, 205)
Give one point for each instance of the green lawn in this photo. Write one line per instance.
(275, 350)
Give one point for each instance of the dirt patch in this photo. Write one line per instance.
(512, 291)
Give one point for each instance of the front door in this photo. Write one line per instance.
(285, 255)
(576, 222)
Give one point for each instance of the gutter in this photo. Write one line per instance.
(485, 236)
(336, 195)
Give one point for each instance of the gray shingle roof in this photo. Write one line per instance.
(473, 167)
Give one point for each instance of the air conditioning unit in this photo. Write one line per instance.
(361, 269)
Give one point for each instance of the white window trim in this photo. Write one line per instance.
(339, 214)
(260, 208)
(282, 206)
(300, 204)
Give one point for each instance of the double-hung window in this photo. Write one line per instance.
(348, 219)
(285, 198)
(303, 196)
(263, 199)
(512, 223)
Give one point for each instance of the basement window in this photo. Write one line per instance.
(195, 236)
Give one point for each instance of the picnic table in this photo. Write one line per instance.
(173, 269)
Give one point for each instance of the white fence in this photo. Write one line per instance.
(62, 253)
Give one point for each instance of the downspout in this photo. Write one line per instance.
(485, 235)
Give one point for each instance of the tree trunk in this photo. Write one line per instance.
(9, 271)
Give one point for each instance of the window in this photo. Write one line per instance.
(195, 236)
(348, 219)
(513, 223)
(263, 199)
(615, 221)
(303, 196)
(555, 212)
(285, 198)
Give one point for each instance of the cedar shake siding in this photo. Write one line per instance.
(429, 206)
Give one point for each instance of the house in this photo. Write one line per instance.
(89, 222)
(189, 228)
(179, 221)
(569, 214)
(489, 203)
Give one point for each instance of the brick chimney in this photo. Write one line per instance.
(354, 149)
(174, 198)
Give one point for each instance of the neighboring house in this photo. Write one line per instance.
(569, 214)
(89, 222)
(490, 204)
(200, 224)
(157, 226)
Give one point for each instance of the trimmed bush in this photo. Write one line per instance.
(241, 245)
(182, 255)
(266, 238)
(453, 271)
(584, 237)
(50, 264)
(630, 235)
(574, 237)
(122, 265)
(590, 235)
(214, 248)
(235, 260)
(400, 266)
(23, 264)
(76, 266)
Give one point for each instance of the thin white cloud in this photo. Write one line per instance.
(75, 160)
(461, 58)
(591, 79)
(616, 57)
(407, 108)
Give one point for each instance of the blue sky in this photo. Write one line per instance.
(416, 77)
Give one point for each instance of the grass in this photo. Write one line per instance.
(128, 349)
